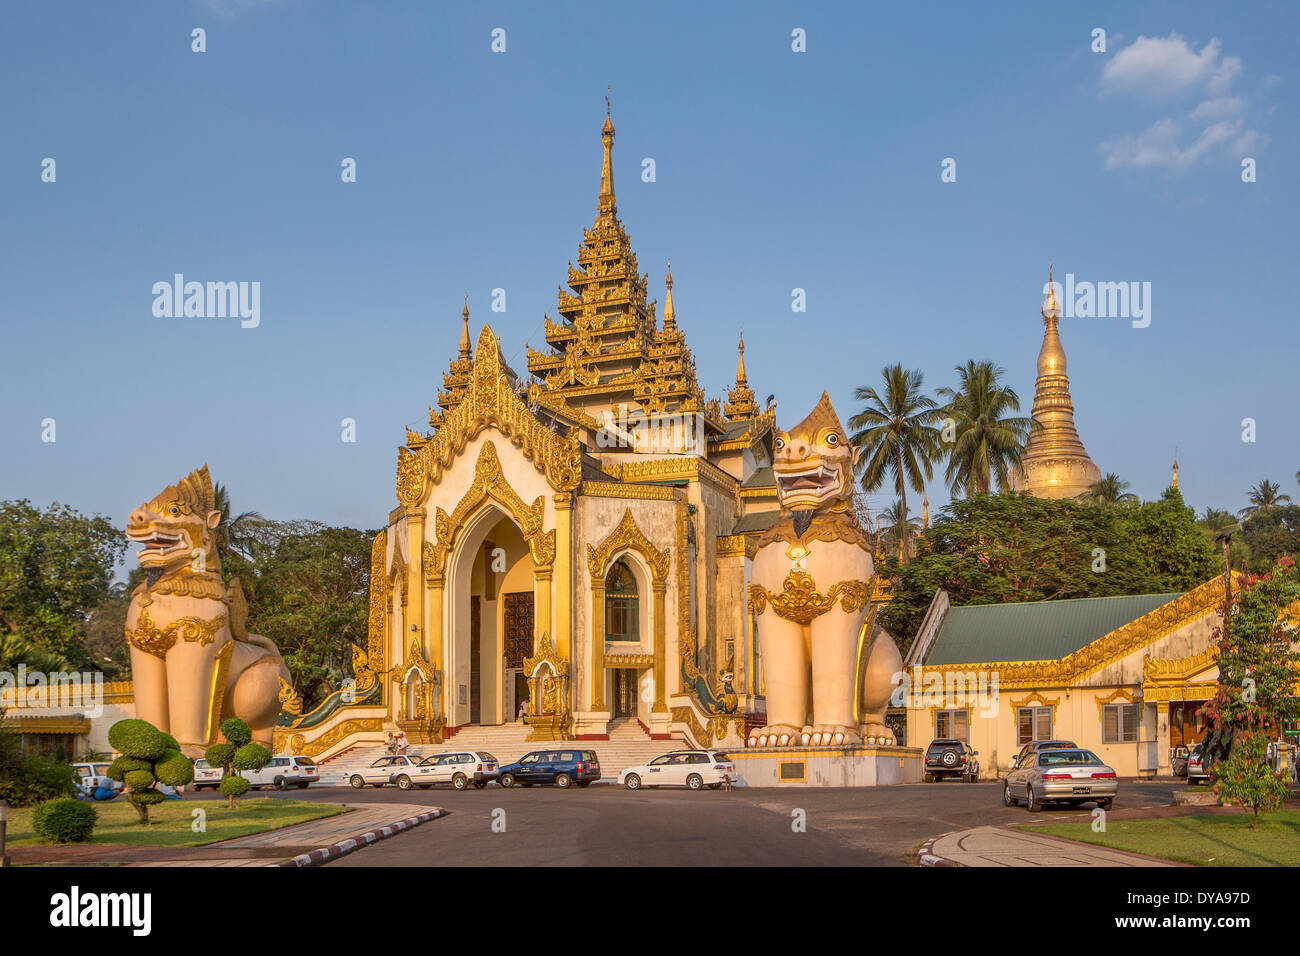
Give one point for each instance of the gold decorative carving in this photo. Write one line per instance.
(297, 743)
(638, 661)
(489, 483)
(612, 489)
(801, 602)
(627, 536)
(488, 400)
(1119, 695)
(149, 638)
(375, 654)
(1178, 668)
(290, 699)
(548, 678)
(217, 692)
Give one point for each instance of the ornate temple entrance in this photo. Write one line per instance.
(517, 614)
(625, 692)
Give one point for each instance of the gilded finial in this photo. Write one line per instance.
(607, 165)
(1050, 309)
(464, 329)
(670, 314)
(1175, 484)
(926, 505)
(741, 380)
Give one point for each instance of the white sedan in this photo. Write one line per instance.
(387, 770)
(694, 769)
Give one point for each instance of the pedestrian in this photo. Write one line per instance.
(392, 743)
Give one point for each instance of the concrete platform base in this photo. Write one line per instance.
(827, 766)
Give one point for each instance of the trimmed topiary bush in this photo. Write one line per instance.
(149, 757)
(64, 821)
(238, 753)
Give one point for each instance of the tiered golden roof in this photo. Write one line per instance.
(740, 398)
(1055, 463)
(459, 374)
(608, 347)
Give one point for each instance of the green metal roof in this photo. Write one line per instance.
(1035, 631)
(762, 478)
(758, 521)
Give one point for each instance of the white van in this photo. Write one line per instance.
(284, 772)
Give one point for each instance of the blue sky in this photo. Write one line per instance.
(775, 170)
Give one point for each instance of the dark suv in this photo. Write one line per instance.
(561, 767)
(950, 758)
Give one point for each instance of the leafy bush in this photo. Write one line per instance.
(149, 757)
(138, 738)
(1245, 779)
(33, 778)
(64, 821)
(236, 731)
(233, 786)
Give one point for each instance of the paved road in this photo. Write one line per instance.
(611, 826)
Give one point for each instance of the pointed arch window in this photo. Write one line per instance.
(621, 610)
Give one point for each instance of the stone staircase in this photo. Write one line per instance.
(628, 744)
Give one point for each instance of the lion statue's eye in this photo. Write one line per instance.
(832, 439)
(174, 510)
(780, 443)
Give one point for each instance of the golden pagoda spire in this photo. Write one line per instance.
(670, 314)
(926, 505)
(464, 330)
(1175, 484)
(607, 165)
(740, 398)
(1054, 461)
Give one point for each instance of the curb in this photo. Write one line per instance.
(926, 857)
(344, 847)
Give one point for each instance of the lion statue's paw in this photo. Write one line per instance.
(774, 735)
(834, 735)
(879, 735)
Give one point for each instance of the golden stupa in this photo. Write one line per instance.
(1055, 463)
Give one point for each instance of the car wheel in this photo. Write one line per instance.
(356, 781)
(1007, 799)
(632, 782)
(480, 784)
(1035, 805)
(403, 782)
(506, 780)
(459, 781)
(562, 780)
(694, 782)
(279, 783)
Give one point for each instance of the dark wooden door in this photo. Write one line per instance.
(517, 609)
(475, 652)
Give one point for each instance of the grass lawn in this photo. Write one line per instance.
(1219, 840)
(170, 822)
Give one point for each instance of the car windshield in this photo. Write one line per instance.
(720, 757)
(1057, 745)
(1056, 758)
(431, 759)
(484, 755)
(944, 744)
(304, 761)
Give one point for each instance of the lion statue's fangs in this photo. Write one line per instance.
(193, 663)
(828, 679)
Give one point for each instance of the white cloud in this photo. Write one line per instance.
(1154, 68)
(1162, 66)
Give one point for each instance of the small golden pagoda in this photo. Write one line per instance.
(1055, 463)
(740, 398)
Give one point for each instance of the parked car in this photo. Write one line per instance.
(459, 768)
(206, 775)
(1198, 766)
(94, 775)
(693, 769)
(559, 767)
(1060, 776)
(1036, 745)
(386, 770)
(283, 773)
(949, 757)
(1178, 760)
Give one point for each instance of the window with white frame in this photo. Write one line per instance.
(1033, 723)
(1119, 723)
(952, 725)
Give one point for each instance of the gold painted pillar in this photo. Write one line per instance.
(598, 644)
(542, 577)
(660, 707)
(562, 636)
(414, 581)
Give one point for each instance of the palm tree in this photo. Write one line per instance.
(896, 431)
(1215, 519)
(1108, 491)
(897, 527)
(987, 442)
(236, 534)
(1263, 496)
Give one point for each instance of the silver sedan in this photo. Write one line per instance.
(1060, 776)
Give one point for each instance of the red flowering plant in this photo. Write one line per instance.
(1257, 685)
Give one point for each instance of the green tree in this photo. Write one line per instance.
(1109, 491)
(309, 593)
(236, 754)
(896, 432)
(993, 549)
(1270, 533)
(148, 757)
(1263, 495)
(1171, 546)
(988, 442)
(1256, 682)
(236, 533)
(1246, 779)
(56, 566)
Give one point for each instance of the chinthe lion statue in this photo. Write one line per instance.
(828, 678)
(193, 663)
